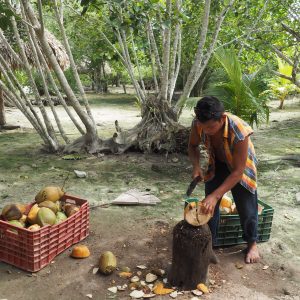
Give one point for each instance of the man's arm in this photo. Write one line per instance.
(239, 160)
(193, 151)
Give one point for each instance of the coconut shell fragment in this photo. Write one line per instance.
(159, 289)
(80, 251)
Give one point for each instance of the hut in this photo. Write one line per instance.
(58, 50)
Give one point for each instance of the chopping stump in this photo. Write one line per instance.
(192, 254)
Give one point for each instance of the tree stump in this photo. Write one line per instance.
(192, 254)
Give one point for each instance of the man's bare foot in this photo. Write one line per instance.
(252, 255)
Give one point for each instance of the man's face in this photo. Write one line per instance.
(211, 127)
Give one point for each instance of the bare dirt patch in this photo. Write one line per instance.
(143, 235)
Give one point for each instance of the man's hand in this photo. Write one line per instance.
(208, 204)
(196, 173)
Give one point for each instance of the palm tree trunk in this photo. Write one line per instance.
(2, 110)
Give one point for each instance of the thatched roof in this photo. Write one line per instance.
(56, 46)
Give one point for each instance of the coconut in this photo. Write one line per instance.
(16, 223)
(107, 262)
(70, 209)
(23, 219)
(60, 217)
(49, 193)
(49, 204)
(194, 216)
(34, 227)
(11, 212)
(45, 216)
(31, 217)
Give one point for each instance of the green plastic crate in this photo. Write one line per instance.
(230, 231)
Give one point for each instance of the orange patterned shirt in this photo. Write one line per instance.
(235, 130)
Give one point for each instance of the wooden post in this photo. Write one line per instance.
(2, 110)
(192, 254)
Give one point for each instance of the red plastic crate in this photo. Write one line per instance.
(34, 250)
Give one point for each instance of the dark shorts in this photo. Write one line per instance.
(246, 204)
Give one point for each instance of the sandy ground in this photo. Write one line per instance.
(143, 235)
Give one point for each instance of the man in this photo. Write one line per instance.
(232, 166)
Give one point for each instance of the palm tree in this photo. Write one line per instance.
(244, 95)
(281, 87)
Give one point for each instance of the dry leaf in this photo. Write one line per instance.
(265, 267)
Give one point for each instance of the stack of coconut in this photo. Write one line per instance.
(47, 210)
(228, 207)
(144, 283)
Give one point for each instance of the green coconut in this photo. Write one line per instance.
(60, 217)
(49, 204)
(45, 216)
(16, 223)
(107, 263)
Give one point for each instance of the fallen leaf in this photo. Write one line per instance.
(89, 296)
(95, 270)
(265, 267)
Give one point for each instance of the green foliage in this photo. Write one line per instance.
(282, 87)
(5, 14)
(244, 95)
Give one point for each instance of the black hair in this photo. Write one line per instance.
(209, 108)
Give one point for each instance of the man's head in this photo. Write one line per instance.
(210, 113)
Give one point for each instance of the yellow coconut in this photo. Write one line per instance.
(49, 193)
(31, 217)
(226, 202)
